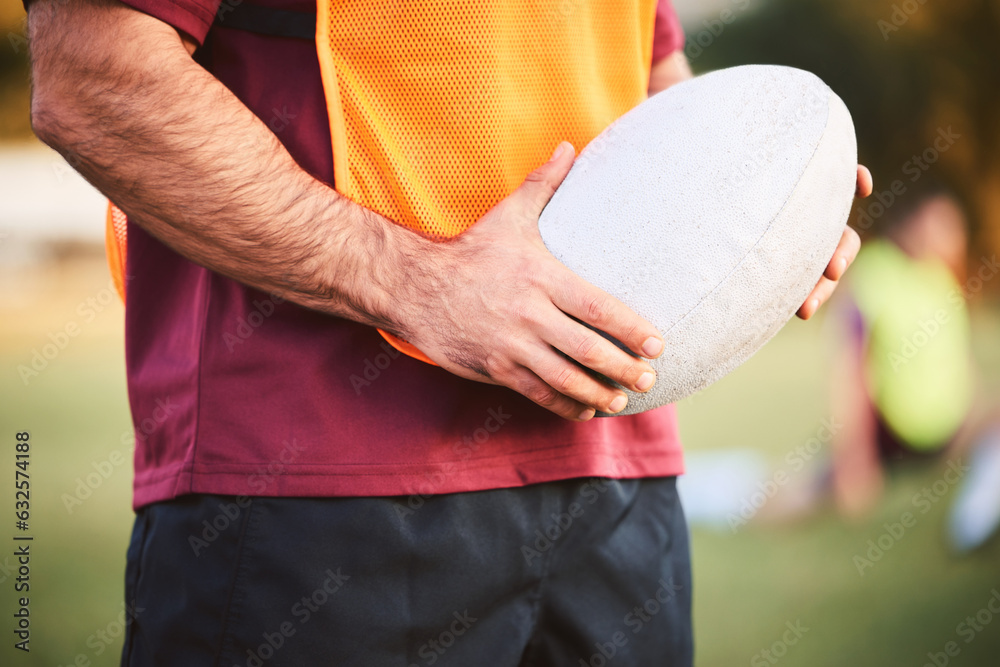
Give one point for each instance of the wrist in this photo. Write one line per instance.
(377, 272)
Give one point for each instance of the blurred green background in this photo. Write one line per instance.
(940, 68)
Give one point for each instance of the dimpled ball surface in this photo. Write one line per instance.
(711, 209)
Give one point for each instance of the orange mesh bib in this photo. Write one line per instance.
(115, 246)
(439, 110)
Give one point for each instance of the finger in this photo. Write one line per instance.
(844, 255)
(865, 182)
(592, 306)
(821, 294)
(539, 186)
(574, 382)
(531, 386)
(593, 351)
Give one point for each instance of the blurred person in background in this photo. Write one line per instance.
(903, 384)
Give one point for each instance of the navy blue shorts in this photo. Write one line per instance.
(587, 572)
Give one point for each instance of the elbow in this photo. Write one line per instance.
(55, 78)
(51, 113)
(60, 119)
(44, 120)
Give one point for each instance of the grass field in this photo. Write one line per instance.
(748, 585)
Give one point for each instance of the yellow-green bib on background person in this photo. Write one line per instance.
(917, 361)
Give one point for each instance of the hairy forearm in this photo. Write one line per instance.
(116, 92)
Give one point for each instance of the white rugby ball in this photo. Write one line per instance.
(711, 209)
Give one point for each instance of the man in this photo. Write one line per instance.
(306, 494)
(903, 383)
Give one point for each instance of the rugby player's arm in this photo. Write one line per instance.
(117, 92)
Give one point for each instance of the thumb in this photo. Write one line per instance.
(539, 186)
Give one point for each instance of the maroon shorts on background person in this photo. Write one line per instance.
(892, 449)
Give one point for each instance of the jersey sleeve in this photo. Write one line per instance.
(668, 35)
(193, 17)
